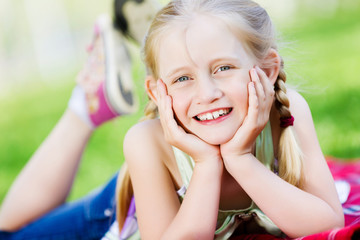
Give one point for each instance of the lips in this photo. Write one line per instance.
(213, 115)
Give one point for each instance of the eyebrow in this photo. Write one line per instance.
(224, 59)
(176, 71)
(219, 59)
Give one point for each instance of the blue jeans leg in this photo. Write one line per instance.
(87, 218)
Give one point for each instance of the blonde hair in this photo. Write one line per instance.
(252, 25)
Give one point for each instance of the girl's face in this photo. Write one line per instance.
(206, 71)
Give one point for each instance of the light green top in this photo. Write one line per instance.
(229, 220)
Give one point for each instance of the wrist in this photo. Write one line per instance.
(213, 166)
(207, 154)
(236, 156)
(239, 162)
(229, 153)
(213, 158)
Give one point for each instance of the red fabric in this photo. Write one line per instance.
(286, 121)
(347, 232)
(351, 232)
(341, 170)
(349, 171)
(256, 237)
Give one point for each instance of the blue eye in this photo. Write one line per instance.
(182, 79)
(223, 68)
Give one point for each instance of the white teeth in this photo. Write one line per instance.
(202, 117)
(213, 115)
(209, 116)
(216, 114)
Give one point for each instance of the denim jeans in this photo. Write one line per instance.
(87, 218)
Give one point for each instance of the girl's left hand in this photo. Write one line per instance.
(261, 97)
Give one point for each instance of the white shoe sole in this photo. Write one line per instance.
(118, 69)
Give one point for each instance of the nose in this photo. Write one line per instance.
(208, 90)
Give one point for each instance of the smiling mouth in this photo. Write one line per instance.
(213, 115)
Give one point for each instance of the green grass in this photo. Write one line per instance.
(327, 67)
(32, 114)
(329, 63)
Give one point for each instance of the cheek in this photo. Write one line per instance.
(243, 93)
(179, 104)
(238, 93)
(239, 89)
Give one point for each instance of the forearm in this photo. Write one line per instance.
(294, 211)
(46, 180)
(197, 216)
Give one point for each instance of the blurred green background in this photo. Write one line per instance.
(321, 48)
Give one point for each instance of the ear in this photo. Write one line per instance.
(272, 65)
(151, 88)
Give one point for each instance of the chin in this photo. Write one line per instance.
(216, 140)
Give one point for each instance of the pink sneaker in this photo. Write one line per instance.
(106, 77)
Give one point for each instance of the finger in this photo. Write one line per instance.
(166, 102)
(171, 128)
(160, 97)
(169, 115)
(253, 103)
(162, 92)
(161, 102)
(266, 83)
(251, 118)
(258, 84)
(161, 88)
(269, 92)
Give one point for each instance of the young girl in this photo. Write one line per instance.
(226, 149)
(35, 206)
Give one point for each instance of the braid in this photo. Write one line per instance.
(124, 193)
(150, 111)
(290, 154)
(281, 100)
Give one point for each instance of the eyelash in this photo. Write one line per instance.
(219, 69)
(181, 79)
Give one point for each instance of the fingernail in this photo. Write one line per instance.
(159, 83)
(253, 71)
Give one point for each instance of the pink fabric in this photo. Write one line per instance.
(104, 113)
(350, 172)
(341, 170)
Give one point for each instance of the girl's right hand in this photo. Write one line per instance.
(175, 135)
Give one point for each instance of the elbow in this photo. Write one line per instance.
(336, 222)
(340, 221)
(201, 235)
(197, 235)
(200, 232)
(191, 234)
